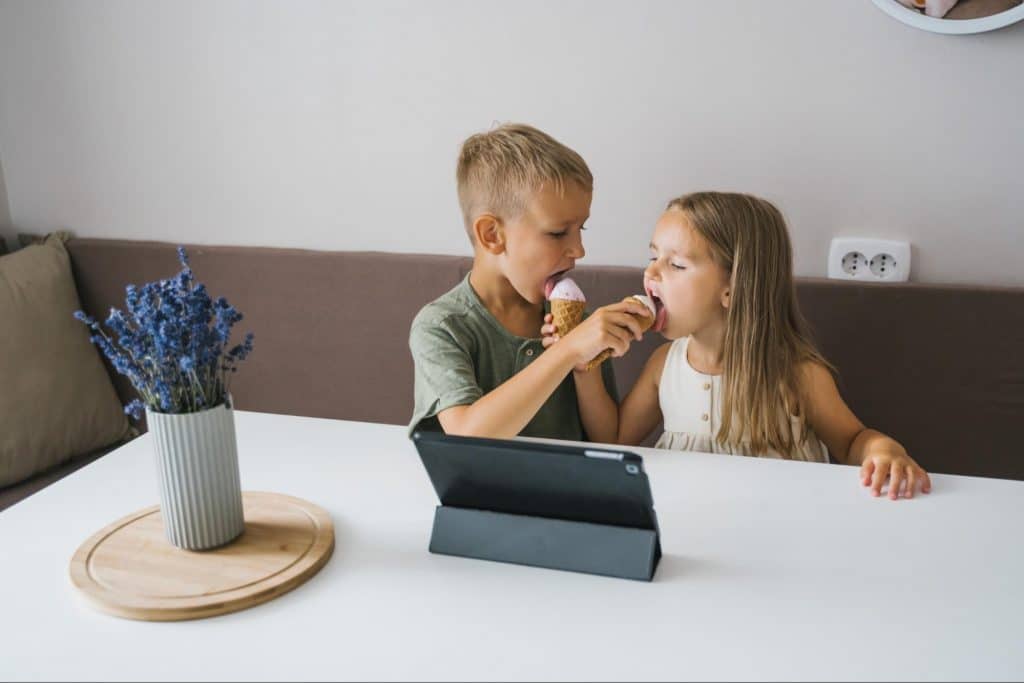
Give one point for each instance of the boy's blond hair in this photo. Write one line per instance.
(498, 171)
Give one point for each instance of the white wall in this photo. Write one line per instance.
(6, 230)
(335, 125)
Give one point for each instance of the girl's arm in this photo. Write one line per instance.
(641, 409)
(598, 412)
(851, 443)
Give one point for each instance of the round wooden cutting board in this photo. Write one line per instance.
(129, 569)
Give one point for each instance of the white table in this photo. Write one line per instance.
(772, 570)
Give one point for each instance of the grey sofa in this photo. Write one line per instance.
(939, 367)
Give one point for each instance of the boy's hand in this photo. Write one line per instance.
(610, 327)
(549, 336)
(903, 473)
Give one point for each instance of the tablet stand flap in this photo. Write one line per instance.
(604, 549)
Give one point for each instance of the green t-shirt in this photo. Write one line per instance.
(461, 353)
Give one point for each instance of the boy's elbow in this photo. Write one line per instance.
(453, 421)
(459, 421)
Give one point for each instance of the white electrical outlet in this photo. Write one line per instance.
(869, 260)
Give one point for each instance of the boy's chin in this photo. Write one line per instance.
(533, 293)
(535, 297)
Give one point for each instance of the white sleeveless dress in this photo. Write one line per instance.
(692, 409)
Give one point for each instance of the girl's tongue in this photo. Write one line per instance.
(660, 317)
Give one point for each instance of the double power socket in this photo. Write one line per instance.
(869, 260)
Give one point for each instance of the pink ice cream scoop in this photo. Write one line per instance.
(565, 289)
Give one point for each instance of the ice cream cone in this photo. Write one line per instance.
(566, 315)
(645, 324)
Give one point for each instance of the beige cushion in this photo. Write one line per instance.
(56, 399)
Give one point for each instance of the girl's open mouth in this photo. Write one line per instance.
(660, 313)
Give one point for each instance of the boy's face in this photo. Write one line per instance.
(684, 281)
(545, 240)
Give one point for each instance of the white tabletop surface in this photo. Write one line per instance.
(772, 570)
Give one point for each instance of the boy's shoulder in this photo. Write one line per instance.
(455, 304)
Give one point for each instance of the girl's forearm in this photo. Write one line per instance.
(598, 412)
(864, 442)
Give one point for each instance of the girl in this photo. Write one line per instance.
(741, 375)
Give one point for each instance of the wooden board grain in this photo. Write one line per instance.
(130, 570)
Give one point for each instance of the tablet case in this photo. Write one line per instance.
(572, 545)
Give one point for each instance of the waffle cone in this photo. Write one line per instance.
(566, 315)
(645, 324)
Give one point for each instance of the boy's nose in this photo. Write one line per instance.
(577, 251)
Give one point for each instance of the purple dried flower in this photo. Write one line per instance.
(171, 345)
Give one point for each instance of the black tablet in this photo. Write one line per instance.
(598, 485)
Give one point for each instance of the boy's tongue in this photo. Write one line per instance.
(556, 287)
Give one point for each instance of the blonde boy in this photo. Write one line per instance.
(480, 368)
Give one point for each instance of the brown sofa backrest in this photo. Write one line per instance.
(940, 368)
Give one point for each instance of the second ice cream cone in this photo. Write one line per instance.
(645, 324)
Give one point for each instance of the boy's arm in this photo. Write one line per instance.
(504, 412)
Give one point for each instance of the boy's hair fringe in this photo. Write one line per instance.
(499, 170)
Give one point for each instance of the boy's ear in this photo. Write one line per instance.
(489, 232)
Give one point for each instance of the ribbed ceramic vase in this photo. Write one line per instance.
(200, 489)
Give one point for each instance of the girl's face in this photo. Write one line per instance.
(690, 291)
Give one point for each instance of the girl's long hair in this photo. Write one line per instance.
(766, 336)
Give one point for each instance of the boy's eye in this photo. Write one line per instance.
(557, 235)
(678, 266)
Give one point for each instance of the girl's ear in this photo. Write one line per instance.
(489, 232)
(725, 297)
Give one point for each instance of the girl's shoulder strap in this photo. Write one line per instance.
(655, 366)
(675, 358)
(677, 351)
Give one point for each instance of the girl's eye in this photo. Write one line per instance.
(558, 235)
(678, 267)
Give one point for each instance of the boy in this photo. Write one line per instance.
(479, 366)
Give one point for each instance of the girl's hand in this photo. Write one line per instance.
(610, 327)
(903, 473)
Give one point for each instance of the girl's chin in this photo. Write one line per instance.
(672, 332)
